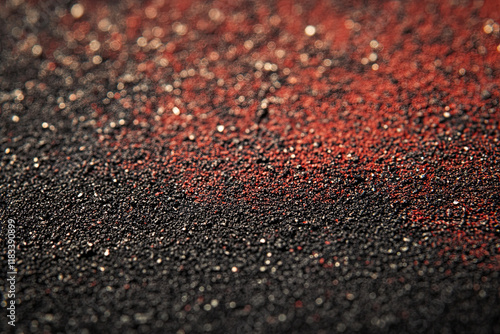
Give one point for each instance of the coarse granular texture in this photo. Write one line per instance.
(252, 166)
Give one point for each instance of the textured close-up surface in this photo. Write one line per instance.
(251, 166)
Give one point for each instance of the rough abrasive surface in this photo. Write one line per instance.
(225, 166)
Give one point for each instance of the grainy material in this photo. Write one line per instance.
(264, 166)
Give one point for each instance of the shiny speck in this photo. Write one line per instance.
(77, 11)
(310, 30)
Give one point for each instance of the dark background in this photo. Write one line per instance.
(210, 167)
